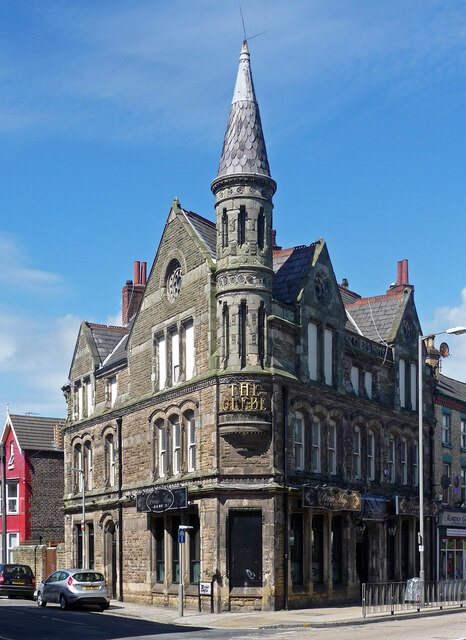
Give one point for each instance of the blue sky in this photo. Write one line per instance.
(108, 110)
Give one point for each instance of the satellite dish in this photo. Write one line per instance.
(445, 481)
(444, 350)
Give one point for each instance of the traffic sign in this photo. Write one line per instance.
(181, 536)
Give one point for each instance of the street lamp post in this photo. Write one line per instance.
(83, 521)
(455, 331)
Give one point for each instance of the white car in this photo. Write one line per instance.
(69, 587)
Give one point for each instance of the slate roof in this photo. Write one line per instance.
(289, 266)
(374, 317)
(347, 295)
(205, 229)
(118, 355)
(244, 146)
(106, 338)
(35, 432)
(452, 388)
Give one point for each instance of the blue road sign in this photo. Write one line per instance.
(181, 536)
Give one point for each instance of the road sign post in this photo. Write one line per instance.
(181, 540)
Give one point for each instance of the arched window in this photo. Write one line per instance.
(110, 459)
(370, 455)
(88, 465)
(357, 452)
(78, 464)
(316, 436)
(191, 441)
(404, 461)
(299, 442)
(415, 463)
(176, 445)
(391, 459)
(162, 448)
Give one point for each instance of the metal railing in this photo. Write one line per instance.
(395, 597)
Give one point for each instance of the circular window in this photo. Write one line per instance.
(174, 279)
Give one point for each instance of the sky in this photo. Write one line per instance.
(109, 110)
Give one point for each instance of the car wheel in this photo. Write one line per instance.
(63, 602)
(40, 601)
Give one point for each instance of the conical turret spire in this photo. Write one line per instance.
(244, 149)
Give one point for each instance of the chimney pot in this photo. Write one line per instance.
(404, 274)
(143, 273)
(399, 272)
(137, 268)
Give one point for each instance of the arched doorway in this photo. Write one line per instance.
(110, 557)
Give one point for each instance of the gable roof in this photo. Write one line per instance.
(452, 388)
(374, 318)
(35, 432)
(289, 266)
(205, 230)
(106, 338)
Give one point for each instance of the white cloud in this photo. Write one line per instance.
(447, 317)
(35, 357)
(14, 272)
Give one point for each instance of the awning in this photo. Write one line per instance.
(374, 508)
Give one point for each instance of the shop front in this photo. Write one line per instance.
(451, 558)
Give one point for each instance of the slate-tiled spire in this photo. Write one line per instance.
(244, 149)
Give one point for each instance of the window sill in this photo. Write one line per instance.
(447, 446)
(246, 591)
(463, 449)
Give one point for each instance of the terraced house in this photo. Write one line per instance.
(251, 397)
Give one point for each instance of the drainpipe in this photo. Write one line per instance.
(4, 505)
(120, 512)
(286, 543)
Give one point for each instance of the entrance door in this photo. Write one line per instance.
(50, 560)
(362, 558)
(245, 542)
(111, 559)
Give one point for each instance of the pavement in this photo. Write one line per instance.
(316, 617)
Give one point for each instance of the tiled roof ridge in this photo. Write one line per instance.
(33, 417)
(106, 327)
(349, 292)
(460, 382)
(385, 296)
(290, 250)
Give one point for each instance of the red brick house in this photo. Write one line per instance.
(32, 466)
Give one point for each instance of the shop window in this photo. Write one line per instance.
(158, 533)
(445, 428)
(90, 551)
(194, 551)
(316, 466)
(317, 543)
(391, 460)
(312, 356)
(355, 379)
(336, 544)
(12, 498)
(356, 453)
(404, 461)
(402, 381)
(296, 549)
(245, 542)
(328, 357)
(452, 561)
(370, 455)
(332, 449)
(175, 551)
(299, 442)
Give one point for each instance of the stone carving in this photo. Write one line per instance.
(322, 289)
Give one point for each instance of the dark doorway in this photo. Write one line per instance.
(362, 557)
(245, 540)
(111, 558)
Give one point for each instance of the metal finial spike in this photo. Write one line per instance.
(242, 20)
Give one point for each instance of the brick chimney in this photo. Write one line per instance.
(402, 279)
(132, 293)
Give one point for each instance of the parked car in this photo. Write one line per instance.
(74, 587)
(17, 580)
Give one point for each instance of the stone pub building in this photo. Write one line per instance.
(251, 397)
